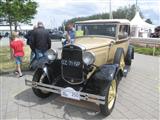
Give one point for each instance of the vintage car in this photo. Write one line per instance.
(91, 68)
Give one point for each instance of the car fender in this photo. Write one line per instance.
(105, 74)
(36, 64)
(130, 51)
(52, 70)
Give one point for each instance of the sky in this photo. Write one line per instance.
(53, 12)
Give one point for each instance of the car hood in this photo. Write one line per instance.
(91, 42)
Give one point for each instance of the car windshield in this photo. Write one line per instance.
(99, 29)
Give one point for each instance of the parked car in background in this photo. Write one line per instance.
(91, 68)
(56, 34)
(0, 36)
(156, 33)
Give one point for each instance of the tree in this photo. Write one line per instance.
(126, 12)
(148, 21)
(17, 11)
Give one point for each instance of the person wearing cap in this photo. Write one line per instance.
(40, 41)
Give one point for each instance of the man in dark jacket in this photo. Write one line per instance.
(40, 41)
(28, 36)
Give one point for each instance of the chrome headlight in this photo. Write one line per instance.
(88, 58)
(51, 54)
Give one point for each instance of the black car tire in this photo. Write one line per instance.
(129, 56)
(107, 108)
(36, 78)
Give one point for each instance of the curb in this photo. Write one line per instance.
(11, 71)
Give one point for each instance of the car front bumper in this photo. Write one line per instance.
(56, 89)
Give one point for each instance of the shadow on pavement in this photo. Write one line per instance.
(70, 107)
(27, 96)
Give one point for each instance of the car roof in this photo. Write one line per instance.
(105, 21)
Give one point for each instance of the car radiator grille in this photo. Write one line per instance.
(72, 64)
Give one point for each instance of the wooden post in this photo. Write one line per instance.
(154, 49)
(10, 25)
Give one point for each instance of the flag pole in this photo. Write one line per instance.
(110, 12)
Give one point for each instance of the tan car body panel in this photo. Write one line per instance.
(118, 44)
(104, 48)
(98, 46)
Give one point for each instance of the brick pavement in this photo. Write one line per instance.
(138, 98)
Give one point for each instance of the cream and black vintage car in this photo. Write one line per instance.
(91, 68)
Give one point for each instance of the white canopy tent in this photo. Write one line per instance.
(140, 28)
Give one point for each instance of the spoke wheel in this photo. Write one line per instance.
(122, 62)
(110, 93)
(119, 58)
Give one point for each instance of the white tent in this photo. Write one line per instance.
(140, 28)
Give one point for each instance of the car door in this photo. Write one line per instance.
(122, 41)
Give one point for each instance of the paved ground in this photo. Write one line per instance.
(138, 97)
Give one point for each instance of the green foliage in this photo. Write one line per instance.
(147, 50)
(18, 11)
(7, 64)
(149, 21)
(92, 17)
(127, 12)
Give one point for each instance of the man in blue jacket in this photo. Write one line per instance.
(70, 36)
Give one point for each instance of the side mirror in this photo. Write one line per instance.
(123, 35)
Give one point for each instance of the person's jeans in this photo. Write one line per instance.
(32, 56)
(72, 41)
(40, 53)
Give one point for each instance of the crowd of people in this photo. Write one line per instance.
(39, 41)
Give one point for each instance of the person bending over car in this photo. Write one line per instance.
(70, 35)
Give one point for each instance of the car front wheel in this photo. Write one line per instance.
(110, 92)
(40, 77)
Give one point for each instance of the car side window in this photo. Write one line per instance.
(124, 31)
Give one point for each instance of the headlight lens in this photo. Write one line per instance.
(88, 58)
(51, 54)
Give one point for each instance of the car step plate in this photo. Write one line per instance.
(69, 92)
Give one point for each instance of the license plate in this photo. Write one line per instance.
(70, 93)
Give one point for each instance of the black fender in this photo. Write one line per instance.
(129, 55)
(130, 51)
(38, 64)
(105, 74)
(52, 69)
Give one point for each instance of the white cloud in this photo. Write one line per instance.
(53, 12)
(50, 4)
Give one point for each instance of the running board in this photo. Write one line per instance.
(126, 70)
